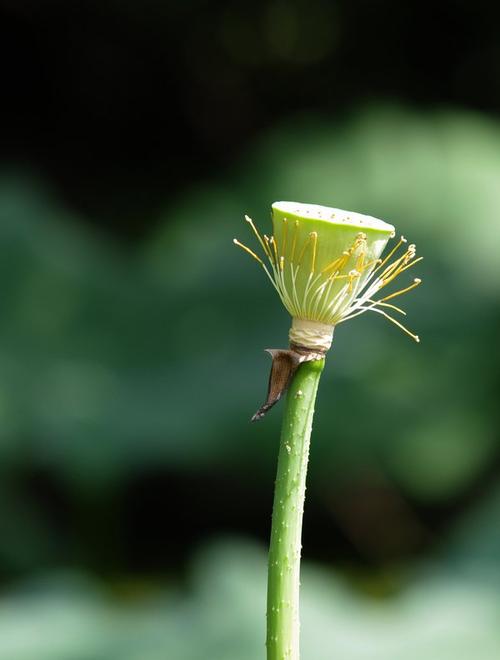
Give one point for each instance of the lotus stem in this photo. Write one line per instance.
(286, 532)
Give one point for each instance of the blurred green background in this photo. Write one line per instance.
(135, 494)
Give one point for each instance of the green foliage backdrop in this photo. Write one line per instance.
(111, 366)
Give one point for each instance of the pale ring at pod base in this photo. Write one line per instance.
(327, 266)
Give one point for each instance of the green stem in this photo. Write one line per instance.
(284, 552)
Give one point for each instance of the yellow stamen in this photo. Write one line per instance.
(370, 264)
(250, 252)
(396, 269)
(336, 265)
(294, 242)
(340, 262)
(393, 251)
(416, 282)
(397, 265)
(410, 265)
(256, 232)
(353, 274)
(314, 236)
(268, 249)
(285, 233)
(304, 247)
(400, 325)
(275, 249)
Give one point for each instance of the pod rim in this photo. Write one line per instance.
(332, 216)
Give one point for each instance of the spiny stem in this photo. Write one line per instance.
(284, 552)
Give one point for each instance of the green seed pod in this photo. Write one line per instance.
(326, 266)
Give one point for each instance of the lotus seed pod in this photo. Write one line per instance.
(326, 266)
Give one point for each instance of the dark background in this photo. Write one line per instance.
(124, 104)
(134, 137)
